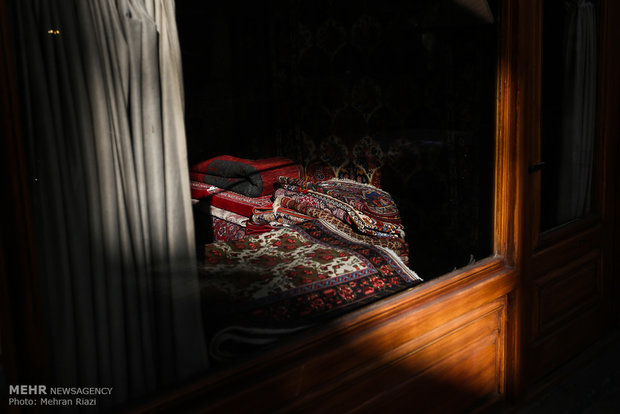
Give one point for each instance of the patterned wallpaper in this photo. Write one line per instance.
(407, 86)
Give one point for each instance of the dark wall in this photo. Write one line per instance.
(302, 78)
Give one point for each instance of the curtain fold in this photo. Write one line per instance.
(103, 104)
(578, 111)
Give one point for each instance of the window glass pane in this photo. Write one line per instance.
(569, 105)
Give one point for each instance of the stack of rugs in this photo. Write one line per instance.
(362, 211)
(230, 188)
(291, 252)
(247, 197)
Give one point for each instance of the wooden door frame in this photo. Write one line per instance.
(598, 226)
(609, 128)
(608, 92)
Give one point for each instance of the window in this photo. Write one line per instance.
(569, 111)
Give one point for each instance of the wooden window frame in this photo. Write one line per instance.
(494, 276)
(22, 326)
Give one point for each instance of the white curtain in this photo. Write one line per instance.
(578, 111)
(103, 109)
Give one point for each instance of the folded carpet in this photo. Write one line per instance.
(252, 178)
(228, 200)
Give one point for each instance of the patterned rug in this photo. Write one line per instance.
(370, 209)
(224, 230)
(284, 280)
